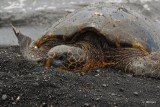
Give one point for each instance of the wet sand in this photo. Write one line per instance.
(26, 84)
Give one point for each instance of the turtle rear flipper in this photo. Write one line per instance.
(24, 41)
(28, 48)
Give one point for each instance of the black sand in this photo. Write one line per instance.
(25, 84)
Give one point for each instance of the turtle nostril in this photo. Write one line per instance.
(62, 56)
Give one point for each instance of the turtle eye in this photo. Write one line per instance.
(61, 57)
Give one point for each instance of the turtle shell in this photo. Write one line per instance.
(121, 26)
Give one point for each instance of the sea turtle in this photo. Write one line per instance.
(98, 36)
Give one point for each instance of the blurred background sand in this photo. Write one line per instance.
(33, 17)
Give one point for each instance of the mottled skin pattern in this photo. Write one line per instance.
(77, 57)
(67, 57)
(98, 36)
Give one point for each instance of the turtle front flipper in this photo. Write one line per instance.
(134, 61)
(148, 66)
(28, 48)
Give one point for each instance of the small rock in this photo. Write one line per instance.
(73, 101)
(18, 55)
(150, 102)
(119, 95)
(18, 98)
(113, 94)
(98, 70)
(97, 75)
(135, 93)
(97, 99)
(4, 97)
(86, 104)
(104, 85)
(158, 86)
(121, 89)
(85, 95)
(81, 74)
(14, 103)
(129, 75)
(80, 90)
(117, 83)
(36, 84)
(44, 104)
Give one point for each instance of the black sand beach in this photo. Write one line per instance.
(26, 84)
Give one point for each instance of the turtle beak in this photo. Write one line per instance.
(24, 41)
(48, 62)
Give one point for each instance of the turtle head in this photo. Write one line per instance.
(28, 48)
(66, 57)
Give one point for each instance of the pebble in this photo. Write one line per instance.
(97, 99)
(44, 104)
(98, 70)
(81, 74)
(86, 104)
(4, 97)
(104, 85)
(36, 84)
(151, 102)
(18, 55)
(121, 89)
(18, 98)
(135, 93)
(113, 94)
(117, 83)
(73, 101)
(129, 75)
(14, 103)
(97, 75)
(80, 90)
